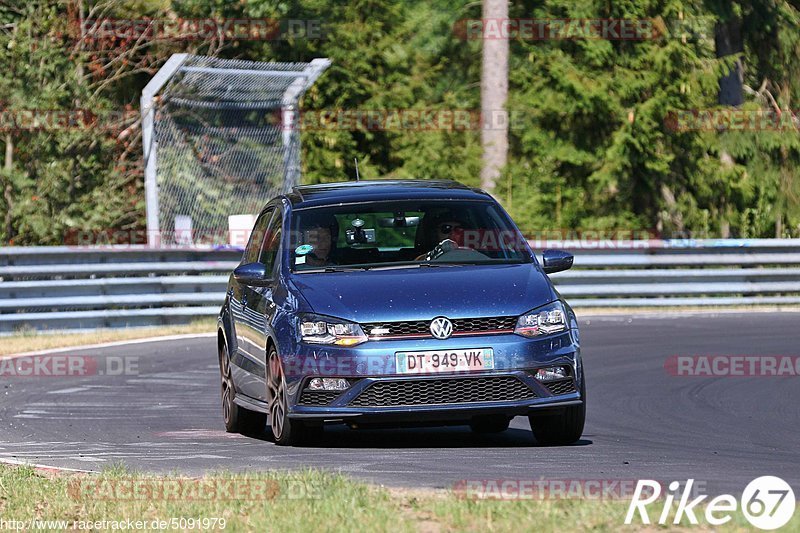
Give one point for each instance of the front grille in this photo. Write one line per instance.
(318, 397)
(469, 325)
(561, 387)
(416, 327)
(460, 326)
(443, 391)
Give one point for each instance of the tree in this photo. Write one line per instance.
(494, 92)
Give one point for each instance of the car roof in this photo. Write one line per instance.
(375, 190)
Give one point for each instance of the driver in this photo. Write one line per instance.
(445, 227)
(450, 229)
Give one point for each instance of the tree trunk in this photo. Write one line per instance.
(675, 216)
(81, 36)
(728, 42)
(724, 229)
(494, 93)
(7, 192)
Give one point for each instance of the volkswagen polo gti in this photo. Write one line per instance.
(393, 303)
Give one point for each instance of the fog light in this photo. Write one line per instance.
(552, 373)
(328, 384)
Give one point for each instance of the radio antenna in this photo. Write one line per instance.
(358, 177)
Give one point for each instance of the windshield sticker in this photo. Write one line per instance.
(300, 260)
(303, 249)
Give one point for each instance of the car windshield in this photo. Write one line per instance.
(408, 233)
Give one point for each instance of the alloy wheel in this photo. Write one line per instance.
(276, 395)
(227, 385)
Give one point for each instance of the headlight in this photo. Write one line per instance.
(551, 318)
(315, 329)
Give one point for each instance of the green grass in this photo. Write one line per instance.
(309, 500)
(31, 340)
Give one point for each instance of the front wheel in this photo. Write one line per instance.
(285, 431)
(559, 430)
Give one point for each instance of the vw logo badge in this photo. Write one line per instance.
(441, 328)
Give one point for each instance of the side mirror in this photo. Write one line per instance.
(556, 261)
(253, 274)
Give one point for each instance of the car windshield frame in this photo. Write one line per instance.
(499, 215)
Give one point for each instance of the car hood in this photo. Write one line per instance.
(463, 291)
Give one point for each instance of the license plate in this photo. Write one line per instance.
(433, 362)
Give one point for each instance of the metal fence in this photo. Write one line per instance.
(219, 139)
(59, 288)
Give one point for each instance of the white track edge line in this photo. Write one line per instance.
(16, 462)
(111, 344)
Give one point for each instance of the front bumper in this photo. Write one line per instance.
(373, 363)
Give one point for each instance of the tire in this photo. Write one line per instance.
(489, 424)
(559, 430)
(285, 431)
(237, 419)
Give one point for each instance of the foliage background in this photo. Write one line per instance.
(591, 143)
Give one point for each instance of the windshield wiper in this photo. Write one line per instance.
(414, 264)
(401, 264)
(329, 269)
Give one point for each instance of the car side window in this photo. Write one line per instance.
(272, 243)
(253, 248)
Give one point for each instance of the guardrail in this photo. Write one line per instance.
(61, 288)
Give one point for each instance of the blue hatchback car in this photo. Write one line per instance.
(395, 303)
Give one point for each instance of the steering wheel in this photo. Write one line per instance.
(447, 245)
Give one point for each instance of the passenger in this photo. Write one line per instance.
(321, 233)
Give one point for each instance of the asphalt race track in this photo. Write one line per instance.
(642, 421)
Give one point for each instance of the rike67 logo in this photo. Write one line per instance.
(767, 502)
